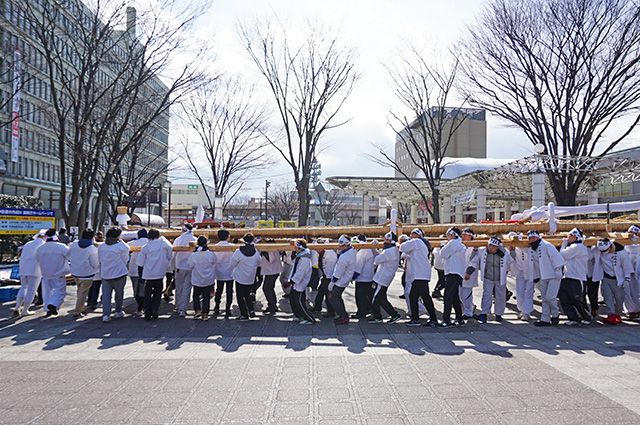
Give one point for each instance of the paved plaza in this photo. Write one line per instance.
(274, 371)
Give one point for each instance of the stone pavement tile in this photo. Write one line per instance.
(570, 416)
(302, 382)
(616, 415)
(466, 405)
(18, 416)
(406, 392)
(506, 403)
(333, 394)
(372, 380)
(373, 392)
(478, 418)
(423, 405)
(330, 381)
(65, 416)
(387, 420)
(380, 407)
(200, 412)
(338, 422)
(154, 415)
(251, 395)
(299, 395)
(161, 398)
(405, 379)
(321, 361)
(529, 388)
(429, 419)
(449, 390)
(240, 412)
(291, 410)
(364, 369)
(526, 418)
(111, 414)
(337, 408)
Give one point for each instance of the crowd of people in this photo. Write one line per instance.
(571, 277)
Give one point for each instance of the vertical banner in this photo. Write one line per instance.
(15, 124)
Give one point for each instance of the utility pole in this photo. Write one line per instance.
(266, 198)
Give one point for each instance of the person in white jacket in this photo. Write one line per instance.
(494, 262)
(470, 280)
(223, 271)
(202, 263)
(364, 279)
(576, 255)
(245, 261)
(417, 277)
(326, 262)
(84, 266)
(632, 294)
(114, 257)
(453, 254)
(524, 286)
(152, 267)
(270, 268)
(300, 278)
(387, 262)
(53, 258)
(343, 273)
(545, 269)
(137, 282)
(183, 272)
(30, 274)
(613, 267)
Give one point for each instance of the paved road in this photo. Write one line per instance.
(273, 370)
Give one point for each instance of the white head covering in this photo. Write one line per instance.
(634, 229)
(577, 233)
(533, 233)
(418, 232)
(389, 236)
(495, 241)
(452, 232)
(515, 235)
(41, 234)
(468, 232)
(299, 245)
(344, 240)
(604, 244)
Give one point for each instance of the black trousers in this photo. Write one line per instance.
(245, 299)
(152, 296)
(205, 293)
(94, 293)
(420, 290)
(570, 295)
(440, 284)
(220, 286)
(380, 300)
(338, 303)
(269, 290)
(590, 293)
(170, 282)
(364, 297)
(298, 302)
(138, 291)
(315, 278)
(323, 293)
(452, 283)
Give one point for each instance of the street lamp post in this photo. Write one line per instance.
(167, 185)
(266, 198)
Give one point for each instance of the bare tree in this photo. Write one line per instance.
(425, 90)
(352, 215)
(229, 123)
(330, 203)
(283, 201)
(105, 88)
(404, 212)
(562, 71)
(310, 82)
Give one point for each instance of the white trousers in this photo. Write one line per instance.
(524, 294)
(632, 295)
(549, 292)
(488, 287)
(466, 299)
(407, 290)
(28, 288)
(53, 292)
(183, 289)
(613, 296)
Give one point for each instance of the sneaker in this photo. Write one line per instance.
(509, 295)
(444, 325)
(26, 312)
(525, 317)
(585, 322)
(252, 313)
(430, 324)
(242, 319)
(393, 320)
(106, 319)
(182, 314)
(498, 318)
(154, 316)
(617, 317)
(460, 323)
(49, 314)
(610, 320)
(572, 323)
(328, 314)
(138, 313)
(374, 320)
(356, 317)
(542, 323)
(341, 321)
(198, 314)
(118, 314)
(205, 317)
(175, 310)
(77, 315)
(306, 322)
(555, 320)
(52, 309)
(480, 317)
(465, 317)
(413, 323)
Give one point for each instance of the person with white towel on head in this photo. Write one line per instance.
(576, 256)
(114, 257)
(202, 263)
(470, 280)
(84, 266)
(270, 268)
(152, 265)
(183, 272)
(494, 263)
(343, 273)
(223, 273)
(30, 274)
(387, 262)
(453, 254)
(525, 287)
(245, 261)
(632, 295)
(300, 278)
(136, 281)
(364, 282)
(613, 268)
(53, 258)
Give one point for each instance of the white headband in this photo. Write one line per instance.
(533, 233)
(452, 232)
(604, 245)
(495, 241)
(344, 240)
(389, 236)
(515, 235)
(634, 229)
(576, 232)
(299, 245)
(468, 232)
(418, 232)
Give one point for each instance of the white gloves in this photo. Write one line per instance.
(331, 285)
(565, 242)
(374, 242)
(625, 283)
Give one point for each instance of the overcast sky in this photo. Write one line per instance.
(376, 28)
